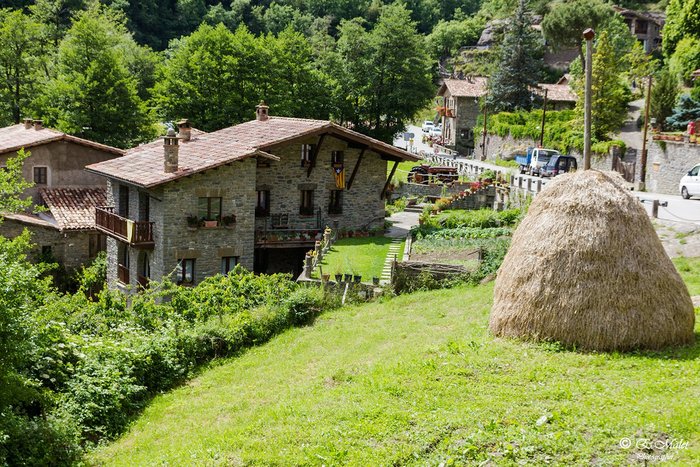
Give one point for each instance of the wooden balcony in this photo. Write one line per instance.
(288, 230)
(123, 274)
(135, 233)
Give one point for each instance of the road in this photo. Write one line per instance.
(678, 209)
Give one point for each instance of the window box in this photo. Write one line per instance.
(210, 224)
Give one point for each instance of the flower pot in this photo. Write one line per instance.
(210, 224)
(325, 277)
(375, 280)
(348, 277)
(357, 279)
(339, 278)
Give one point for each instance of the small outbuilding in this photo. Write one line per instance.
(587, 269)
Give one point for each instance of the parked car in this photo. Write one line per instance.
(535, 159)
(690, 183)
(558, 165)
(427, 126)
(436, 131)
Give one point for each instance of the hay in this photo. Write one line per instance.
(587, 269)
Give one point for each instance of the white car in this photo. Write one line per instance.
(436, 131)
(427, 126)
(690, 183)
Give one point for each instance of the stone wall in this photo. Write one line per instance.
(407, 190)
(498, 147)
(66, 163)
(362, 207)
(71, 249)
(668, 161)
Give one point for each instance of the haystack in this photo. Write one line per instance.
(586, 268)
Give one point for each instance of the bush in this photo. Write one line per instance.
(481, 218)
(305, 304)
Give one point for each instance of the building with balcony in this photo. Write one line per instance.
(459, 107)
(645, 26)
(65, 230)
(258, 194)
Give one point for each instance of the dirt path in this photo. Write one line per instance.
(679, 238)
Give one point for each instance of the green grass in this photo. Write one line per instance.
(418, 380)
(690, 271)
(401, 171)
(364, 256)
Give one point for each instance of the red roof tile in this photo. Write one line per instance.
(558, 92)
(15, 137)
(143, 165)
(74, 208)
(470, 87)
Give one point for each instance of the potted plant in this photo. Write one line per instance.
(375, 280)
(325, 278)
(211, 223)
(229, 221)
(357, 278)
(338, 277)
(347, 277)
(193, 222)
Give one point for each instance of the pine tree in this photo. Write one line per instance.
(511, 87)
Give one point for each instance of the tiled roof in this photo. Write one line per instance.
(30, 219)
(469, 87)
(15, 137)
(558, 92)
(143, 165)
(477, 87)
(74, 208)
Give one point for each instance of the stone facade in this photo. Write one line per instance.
(65, 162)
(71, 249)
(458, 130)
(237, 183)
(668, 162)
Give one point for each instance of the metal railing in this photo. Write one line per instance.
(288, 228)
(136, 233)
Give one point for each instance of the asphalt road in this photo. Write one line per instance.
(678, 209)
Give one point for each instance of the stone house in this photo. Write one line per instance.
(645, 26)
(65, 231)
(257, 194)
(459, 108)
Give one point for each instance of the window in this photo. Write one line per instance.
(97, 243)
(41, 175)
(262, 208)
(336, 202)
(307, 202)
(184, 273)
(209, 209)
(124, 201)
(694, 171)
(337, 157)
(228, 263)
(306, 151)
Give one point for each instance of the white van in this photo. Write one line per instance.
(690, 183)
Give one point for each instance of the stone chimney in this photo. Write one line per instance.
(261, 111)
(38, 125)
(184, 130)
(28, 123)
(171, 151)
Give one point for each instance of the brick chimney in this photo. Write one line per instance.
(184, 130)
(261, 111)
(171, 151)
(38, 125)
(28, 123)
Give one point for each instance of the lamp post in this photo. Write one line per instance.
(544, 112)
(588, 34)
(643, 171)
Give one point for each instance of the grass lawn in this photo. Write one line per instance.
(418, 380)
(690, 270)
(364, 256)
(401, 171)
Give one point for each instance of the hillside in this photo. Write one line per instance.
(418, 380)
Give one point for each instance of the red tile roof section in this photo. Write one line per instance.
(474, 86)
(74, 208)
(15, 137)
(143, 165)
(558, 92)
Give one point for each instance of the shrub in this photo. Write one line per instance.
(305, 304)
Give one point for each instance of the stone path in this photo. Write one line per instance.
(402, 223)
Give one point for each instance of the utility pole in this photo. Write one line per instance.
(483, 136)
(544, 112)
(588, 34)
(643, 174)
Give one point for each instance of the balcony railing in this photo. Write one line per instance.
(288, 229)
(123, 274)
(135, 233)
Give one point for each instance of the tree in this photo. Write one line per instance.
(687, 110)
(93, 95)
(448, 36)
(610, 93)
(55, 17)
(13, 184)
(685, 59)
(383, 75)
(563, 26)
(663, 97)
(19, 57)
(511, 87)
(682, 21)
